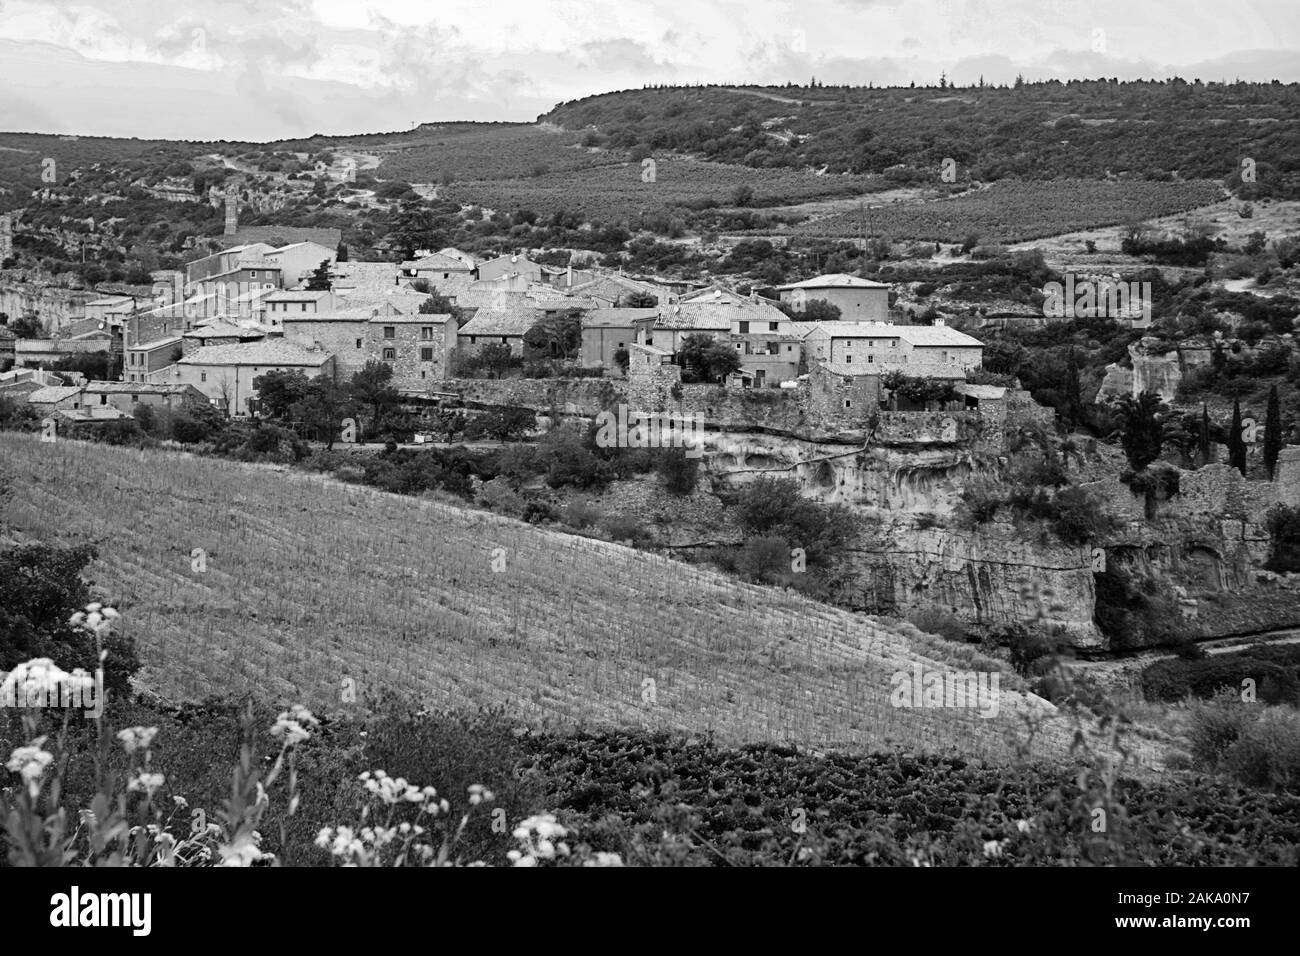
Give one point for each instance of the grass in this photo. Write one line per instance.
(311, 583)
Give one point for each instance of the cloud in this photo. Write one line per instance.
(260, 69)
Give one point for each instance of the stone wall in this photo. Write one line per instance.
(927, 428)
(569, 396)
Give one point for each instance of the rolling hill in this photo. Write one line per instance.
(310, 586)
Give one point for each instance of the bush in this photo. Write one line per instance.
(940, 622)
(1134, 613)
(189, 431)
(765, 559)
(568, 460)
(1175, 679)
(1267, 752)
(1283, 525)
(1214, 726)
(678, 472)
(498, 495)
(1257, 746)
(42, 589)
(623, 529)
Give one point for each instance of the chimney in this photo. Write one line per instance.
(570, 282)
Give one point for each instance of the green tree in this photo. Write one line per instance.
(1272, 433)
(678, 471)
(322, 408)
(707, 359)
(373, 387)
(341, 253)
(556, 336)
(1141, 422)
(42, 589)
(322, 279)
(279, 390)
(1203, 438)
(1236, 444)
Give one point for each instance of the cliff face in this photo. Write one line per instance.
(54, 306)
(990, 577)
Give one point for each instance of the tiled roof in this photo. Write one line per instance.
(616, 318)
(614, 287)
(434, 262)
(297, 295)
(849, 370)
(266, 352)
(426, 318)
(137, 388)
(716, 316)
(220, 330)
(982, 391)
(511, 320)
(836, 280)
(358, 314)
(324, 236)
(712, 293)
(157, 343)
(53, 393)
(926, 335)
(857, 330)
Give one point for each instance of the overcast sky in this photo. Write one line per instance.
(270, 69)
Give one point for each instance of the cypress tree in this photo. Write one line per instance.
(1236, 446)
(1272, 433)
(1204, 438)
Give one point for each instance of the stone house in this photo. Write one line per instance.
(417, 347)
(770, 352)
(606, 330)
(344, 333)
(859, 300)
(298, 260)
(127, 396)
(508, 266)
(438, 267)
(52, 398)
(932, 351)
(712, 316)
(847, 395)
(218, 332)
(225, 373)
(144, 360)
(504, 323)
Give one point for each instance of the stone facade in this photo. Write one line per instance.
(849, 400)
(418, 348)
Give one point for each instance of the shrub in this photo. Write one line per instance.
(678, 472)
(1283, 525)
(498, 495)
(624, 529)
(765, 559)
(42, 590)
(568, 460)
(1076, 516)
(1267, 752)
(189, 431)
(1175, 679)
(940, 622)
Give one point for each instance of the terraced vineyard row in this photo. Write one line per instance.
(1015, 211)
(311, 584)
(621, 192)
(490, 152)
